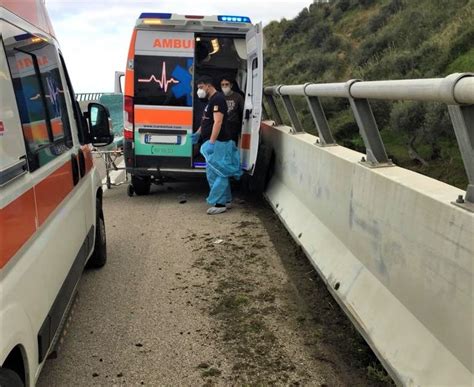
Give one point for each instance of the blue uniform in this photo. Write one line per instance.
(223, 162)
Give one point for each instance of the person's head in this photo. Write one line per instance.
(226, 85)
(205, 86)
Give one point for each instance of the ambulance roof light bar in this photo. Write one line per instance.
(151, 15)
(233, 19)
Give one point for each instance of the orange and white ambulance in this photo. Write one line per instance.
(51, 219)
(161, 109)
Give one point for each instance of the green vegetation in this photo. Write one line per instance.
(380, 39)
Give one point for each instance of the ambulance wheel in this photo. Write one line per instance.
(9, 378)
(99, 255)
(263, 171)
(141, 184)
(130, 190)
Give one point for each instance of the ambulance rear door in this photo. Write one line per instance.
(253, 99)
(163, 84)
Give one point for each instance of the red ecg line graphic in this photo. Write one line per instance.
(163, 82)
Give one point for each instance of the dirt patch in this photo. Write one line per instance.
(275, 320)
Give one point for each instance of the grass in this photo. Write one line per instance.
(376, 373)
(449, 168)
(463, 63)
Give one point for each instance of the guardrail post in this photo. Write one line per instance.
(290, 109)
(462, 118)
(317, 111)
(275, 114)
(375, 149)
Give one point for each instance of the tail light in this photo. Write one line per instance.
(128, 117)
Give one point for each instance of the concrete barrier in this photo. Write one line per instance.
(395, 253)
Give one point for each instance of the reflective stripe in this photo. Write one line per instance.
(129, 73)
(52, 190)
(88, 157)
(245, 141)
(18, 218)
(163, 117)
(17, 225)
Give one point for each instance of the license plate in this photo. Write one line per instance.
(162, 139)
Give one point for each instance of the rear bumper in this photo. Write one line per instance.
(166, 172)
(158, 166)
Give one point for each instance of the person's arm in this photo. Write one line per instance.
(216, 128)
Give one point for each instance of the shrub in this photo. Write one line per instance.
(319, 33)
(343, 5)
(407, 117)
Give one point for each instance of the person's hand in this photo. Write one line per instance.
(195, 137)
(210, 147)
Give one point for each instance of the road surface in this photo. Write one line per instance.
(191, 299)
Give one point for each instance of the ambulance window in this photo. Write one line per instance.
(163, 80)
(78, 116)
(40, 97)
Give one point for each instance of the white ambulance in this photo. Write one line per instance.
(51, 220)
(167, 53)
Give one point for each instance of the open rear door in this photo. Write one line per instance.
(253, 99)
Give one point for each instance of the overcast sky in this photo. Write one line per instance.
(94, 35)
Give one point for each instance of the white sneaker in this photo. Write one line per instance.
(216, 210)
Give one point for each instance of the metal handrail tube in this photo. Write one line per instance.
(454, 89)
(327, 90)
(297, 90)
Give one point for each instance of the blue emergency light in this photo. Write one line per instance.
(233, 19)
(151, 15)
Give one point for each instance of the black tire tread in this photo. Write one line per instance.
(99, 255)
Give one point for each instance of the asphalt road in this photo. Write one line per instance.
(191, 299)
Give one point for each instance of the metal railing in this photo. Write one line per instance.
(88, 96)
(456, 91)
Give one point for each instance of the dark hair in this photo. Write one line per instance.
(205, 79)
(227, 78)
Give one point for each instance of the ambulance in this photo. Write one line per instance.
(51, 218)
(167, 53)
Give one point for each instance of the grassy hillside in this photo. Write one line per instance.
(380, 39)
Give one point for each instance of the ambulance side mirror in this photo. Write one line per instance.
(100, 124)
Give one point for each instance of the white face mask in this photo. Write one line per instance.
(226, 90)
(201, 93)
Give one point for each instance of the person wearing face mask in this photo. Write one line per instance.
(235, 108)
(221, 154)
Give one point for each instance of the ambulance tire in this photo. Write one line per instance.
(141, 185)
(9, 378)
(260, 178)
(99, 255)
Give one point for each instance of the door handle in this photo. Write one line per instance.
(75, 170)
(82, 163)
(247, 113)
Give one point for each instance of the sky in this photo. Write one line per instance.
(94, 35)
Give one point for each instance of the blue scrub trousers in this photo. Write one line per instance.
(222, 163)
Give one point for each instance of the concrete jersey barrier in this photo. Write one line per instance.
(394, 251)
